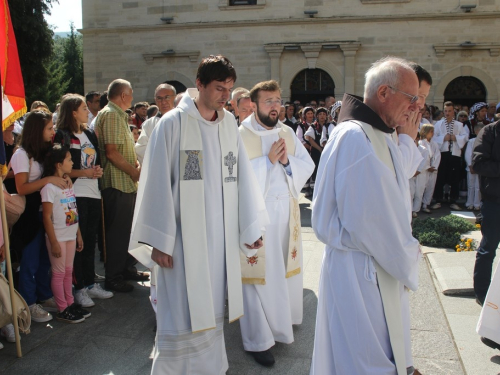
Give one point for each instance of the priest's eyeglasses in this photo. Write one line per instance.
(270, 102)
(162, 98)
(413, 98)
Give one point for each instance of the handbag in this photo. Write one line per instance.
(14, 204)
(22, 313)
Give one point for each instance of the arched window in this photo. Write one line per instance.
(465, 91)
(312, 84)
(179, 87)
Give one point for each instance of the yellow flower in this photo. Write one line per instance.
(459, 250)
(478, 225)
(458, 246)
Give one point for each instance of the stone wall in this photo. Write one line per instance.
(125, 40)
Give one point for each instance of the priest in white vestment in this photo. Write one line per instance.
(273, 300)
(362, 212)
(198, 206)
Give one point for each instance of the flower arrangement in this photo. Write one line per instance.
(466, 244)
(442, 232)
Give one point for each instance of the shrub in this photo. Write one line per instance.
(442, 232)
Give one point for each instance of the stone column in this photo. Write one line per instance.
(349, 51)
(274, 52)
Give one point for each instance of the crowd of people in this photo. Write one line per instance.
(79, 169)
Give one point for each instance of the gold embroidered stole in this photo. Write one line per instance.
(193, 225)
(253, 269)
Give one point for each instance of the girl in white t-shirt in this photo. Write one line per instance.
(63, 237)
(27, 237)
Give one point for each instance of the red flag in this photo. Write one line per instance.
(13, 98)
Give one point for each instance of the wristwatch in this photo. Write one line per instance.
(287, 163)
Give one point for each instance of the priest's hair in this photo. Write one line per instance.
(385, 71)
(237, 92)
(116, 87)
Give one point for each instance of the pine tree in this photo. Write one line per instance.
(73, 62)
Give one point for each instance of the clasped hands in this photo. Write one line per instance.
(278, 152)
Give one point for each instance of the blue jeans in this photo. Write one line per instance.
(34, 278)
(490, 229)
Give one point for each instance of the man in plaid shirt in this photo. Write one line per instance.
(119, 185)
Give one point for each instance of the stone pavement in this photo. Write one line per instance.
(453, 279)
(118, 338)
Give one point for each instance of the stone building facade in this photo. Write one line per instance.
(152, 41)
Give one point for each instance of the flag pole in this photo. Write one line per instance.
(5, 229)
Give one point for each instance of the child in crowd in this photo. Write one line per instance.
(419, 180)
(473, 193)
(135, 132)
(27, 237)
(63, 237)
(427, 132)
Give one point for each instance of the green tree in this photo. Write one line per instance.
(73, 61)
(34, 43)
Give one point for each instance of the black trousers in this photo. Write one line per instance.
(89, 214)
(118, 215)
(490, 229)
(448, 173)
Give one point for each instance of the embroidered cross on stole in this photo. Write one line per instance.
(253, 269)
(193, 222)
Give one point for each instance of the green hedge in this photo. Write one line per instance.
(442, 232)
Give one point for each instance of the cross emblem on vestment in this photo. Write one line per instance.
(229, 162)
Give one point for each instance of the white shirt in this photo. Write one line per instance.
(20, 163)
(459, 130)
(64, 211)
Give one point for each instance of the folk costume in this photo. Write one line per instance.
(273, 280)
(198, 201)
(362, 212)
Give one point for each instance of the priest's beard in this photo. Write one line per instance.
(266, 119)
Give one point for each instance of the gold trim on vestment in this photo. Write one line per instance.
(293, 273)
(234, 320)
(253, 280)
(203, 330)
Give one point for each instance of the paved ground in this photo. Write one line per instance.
(118, 338)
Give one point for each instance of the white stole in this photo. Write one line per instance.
(388, 285)
(193, 225)
(253, 268)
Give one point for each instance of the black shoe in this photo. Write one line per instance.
(69, 316)
(492, 344)
(264, 358)
(480, 301)
(136, 276)
(118, 285)
(99, 278)
(77, 309)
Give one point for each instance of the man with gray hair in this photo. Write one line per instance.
(368, 262)
(164, 99)
(235, 95)
(119, 185)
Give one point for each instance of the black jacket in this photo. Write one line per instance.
(486, 161)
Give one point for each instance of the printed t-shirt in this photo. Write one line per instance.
(83, 186)
(64, 211)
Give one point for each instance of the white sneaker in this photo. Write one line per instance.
(1, 346)
(455, 207)
(8, 333)
(426, 210)
(38, 314)
(436, 206)
(414, 214)
(98, 292)
(50, 305)
(82, 298)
